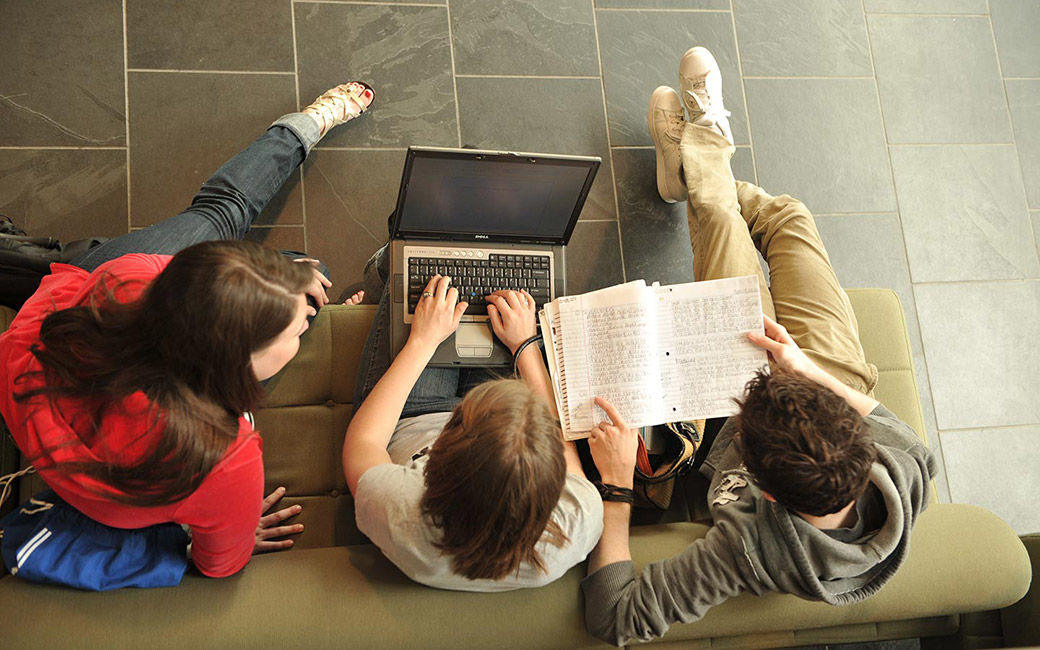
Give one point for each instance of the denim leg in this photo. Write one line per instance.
(470, 378)
(228, 202)
(435, 391)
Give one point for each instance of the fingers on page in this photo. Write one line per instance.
(611, 412)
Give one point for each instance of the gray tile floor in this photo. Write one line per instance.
(911, 127)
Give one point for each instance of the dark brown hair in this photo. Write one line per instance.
(493, 479)
(804, 444)
(186, 342)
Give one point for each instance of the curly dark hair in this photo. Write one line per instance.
(803, 444)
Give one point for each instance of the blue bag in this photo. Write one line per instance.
(48, 541)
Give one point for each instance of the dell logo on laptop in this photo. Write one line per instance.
(480, 236)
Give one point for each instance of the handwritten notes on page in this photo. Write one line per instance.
(658, 354)
(706, 358)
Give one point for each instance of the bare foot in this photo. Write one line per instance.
(355, 299)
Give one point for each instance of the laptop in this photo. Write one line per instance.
(491, 220)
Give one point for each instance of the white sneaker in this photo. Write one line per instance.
(701, 82)
(666, 120)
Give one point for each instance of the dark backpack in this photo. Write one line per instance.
(25, 260)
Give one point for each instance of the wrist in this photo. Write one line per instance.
(814, 373)
(522, 353)
(419, 346)
(529, 352)
(615, 493)
(621, 481)
(520, 344)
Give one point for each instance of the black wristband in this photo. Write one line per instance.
(614, 493)
(516, 355)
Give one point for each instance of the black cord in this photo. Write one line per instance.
(516, 355)
(614, 493)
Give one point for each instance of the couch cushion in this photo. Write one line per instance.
(6, 316)
(886, 344)
(353, 597)
(302, 423)
(315, 375)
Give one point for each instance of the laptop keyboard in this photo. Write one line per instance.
(476, 278)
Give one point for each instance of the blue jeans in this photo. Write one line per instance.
(438, 389)
(228, 202)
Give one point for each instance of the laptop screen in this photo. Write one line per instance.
(465, 194)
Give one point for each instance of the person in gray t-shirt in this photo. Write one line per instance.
(464, 482)
(815, 486)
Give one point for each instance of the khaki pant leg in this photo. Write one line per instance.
(807, 298)
(722, 246)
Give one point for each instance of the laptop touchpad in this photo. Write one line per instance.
(474, 340)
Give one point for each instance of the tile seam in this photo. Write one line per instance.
(296, 80)
(610, 149)
(58, 148)
(922, 15)
(1011, 121)
(360, 149)
(932, 283)
(524, 76)
(743, 89)
(662, 10)
(906, 251)
(951, 144)
(126, 110)
(186, 71)
(454, 77)
(356, 2)
(1028, 425)
(759, 77)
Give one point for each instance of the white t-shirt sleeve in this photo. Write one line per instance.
(580, 515)
(382, 503)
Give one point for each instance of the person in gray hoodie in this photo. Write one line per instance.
(815, 486)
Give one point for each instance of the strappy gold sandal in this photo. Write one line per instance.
(341, 104)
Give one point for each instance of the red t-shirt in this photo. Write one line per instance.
(223, 511)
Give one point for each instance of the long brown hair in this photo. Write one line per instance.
(803, 443)
(186, 343)
(493, 479)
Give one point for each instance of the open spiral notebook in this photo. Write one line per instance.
(657, 353)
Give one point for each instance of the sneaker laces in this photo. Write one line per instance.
(709, 110)
(676, 122)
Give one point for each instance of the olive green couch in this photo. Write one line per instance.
(335, 590)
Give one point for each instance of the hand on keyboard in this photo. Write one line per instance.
(476, 278)
(437, 314)
(512, 315)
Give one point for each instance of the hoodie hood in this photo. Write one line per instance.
(805, 559)
(783, 552)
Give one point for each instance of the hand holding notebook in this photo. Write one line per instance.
(658, 353)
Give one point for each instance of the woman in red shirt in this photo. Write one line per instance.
(129, 376)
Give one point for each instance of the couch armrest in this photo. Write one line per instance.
(886, 344)
(953, 546)
(1021, 621)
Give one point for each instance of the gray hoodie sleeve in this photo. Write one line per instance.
(887, 429)
(621, 605)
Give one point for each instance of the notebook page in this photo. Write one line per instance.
(706, 358)
(549, 320)
(609, 351)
